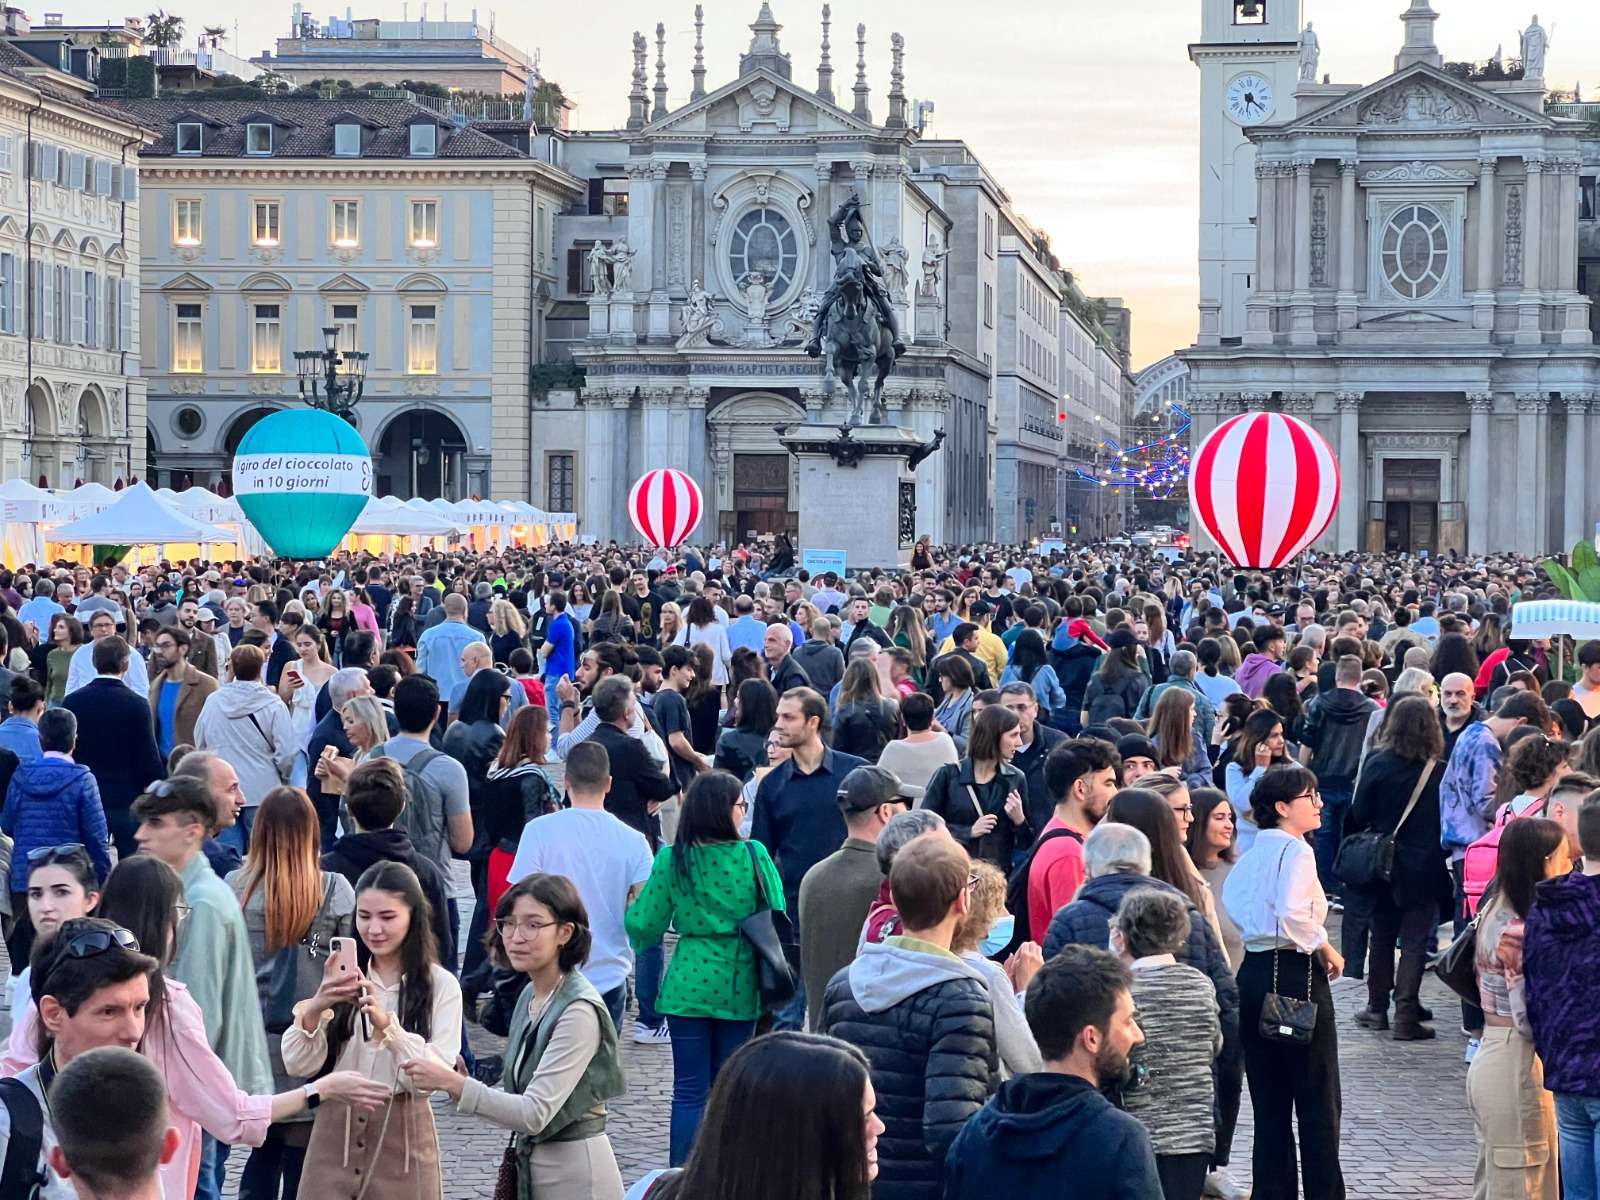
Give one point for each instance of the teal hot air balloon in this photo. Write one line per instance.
(302, 477)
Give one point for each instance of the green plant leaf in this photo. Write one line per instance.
(1562, 578)
(1589, 581)
(1584, 557)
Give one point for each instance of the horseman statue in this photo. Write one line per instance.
(855, 324)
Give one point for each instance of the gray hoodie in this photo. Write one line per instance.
(887, 973)
(261, 749)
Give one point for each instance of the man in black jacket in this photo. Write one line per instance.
(1331, 737)
(783, 672)
(374, 795)
(923, 1018)
(116, 739)
(1049, 1126)
(639, 784)
(1038, 739)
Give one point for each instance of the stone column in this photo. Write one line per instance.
(1488, 243)
(1532, 412)
(1266, 224)
(1350, 489)
(641, 224)
(658, 226)
(1575, 485)
(1348, 199)
(1480, 405)
(697, 224)
(820, 212)
(1302, 225)
(1567, 225)
(1528, 322)
(599, 503)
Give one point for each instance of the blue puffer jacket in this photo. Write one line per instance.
(51, 802)
(1086, 922)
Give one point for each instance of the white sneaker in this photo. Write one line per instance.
(1472, 1049)
(1223, 1186)
(646, 1036)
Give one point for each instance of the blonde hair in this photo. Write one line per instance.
(987, 905)
(504, 618)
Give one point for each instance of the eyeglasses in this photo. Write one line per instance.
(43, 854)
(1183, 808)
(741, 802)
(1313, 795)
(972, 881)
(183, 911)
(508, 928)
(89, 942)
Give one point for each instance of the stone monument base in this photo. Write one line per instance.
(857, 491)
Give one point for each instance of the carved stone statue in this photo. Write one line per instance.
(622, 256)
(1310, 54)
(700, 321)
(756, 293)
(895, 277)
(600, 269)
(933, 254)
(801, 321)
(1535, 41)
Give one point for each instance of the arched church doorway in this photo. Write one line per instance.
(752, 470)
(422, 453)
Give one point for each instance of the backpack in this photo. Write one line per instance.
(21, 1174)
(422, 818)
(1017, 894)
(1483, 857)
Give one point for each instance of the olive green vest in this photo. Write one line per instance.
(601, 1081)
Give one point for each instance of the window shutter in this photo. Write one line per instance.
(47, 327)
(114, 184)
(75, 306)
(130, 183)
(50, 164)
(597, 197)
(74, 172)
(125, 314)
(574, 270)
(102, 179)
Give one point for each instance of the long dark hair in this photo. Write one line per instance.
(1027, 654)
(758, 707)
(1206, 801)
(1524, 847)
(783, 1122)
(142, 895)
(1258, 727)
(1151, 815)
(418, 955)
(481, 701)
(706, 818)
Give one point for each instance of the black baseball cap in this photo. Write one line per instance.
(865, 788)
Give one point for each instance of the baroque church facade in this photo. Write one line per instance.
(693, 274)
(1397, 264)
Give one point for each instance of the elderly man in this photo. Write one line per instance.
(1180, 671)
(1458, 708)
(475, 657)
(782, 670)
(218, 775)
(103, 625)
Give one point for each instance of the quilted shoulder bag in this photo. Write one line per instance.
(1287, 1018)
(774, 976)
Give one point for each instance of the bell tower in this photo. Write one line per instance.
(1248, 57)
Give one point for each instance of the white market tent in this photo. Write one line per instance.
(139, 517)
(1577, 619)
(25, 512)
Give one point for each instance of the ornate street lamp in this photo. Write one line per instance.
(331, 379)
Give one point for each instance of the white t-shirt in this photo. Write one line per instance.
(604, 858)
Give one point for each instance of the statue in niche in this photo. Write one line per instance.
(600, 269)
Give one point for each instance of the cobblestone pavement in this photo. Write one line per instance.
(1406, 1131)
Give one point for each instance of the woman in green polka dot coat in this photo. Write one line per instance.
(703, 885)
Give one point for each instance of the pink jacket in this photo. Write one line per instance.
(200, 1092)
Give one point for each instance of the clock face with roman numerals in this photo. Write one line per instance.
(1250, 99)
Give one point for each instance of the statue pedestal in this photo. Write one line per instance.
(622, 330)
(857, 492)
(930, 319)
(660, 317)
(599, 315)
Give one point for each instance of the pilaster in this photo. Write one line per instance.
(1575, 484)
(1346, 300)
(1480, 406)
(1488, 242)
(1350, 497)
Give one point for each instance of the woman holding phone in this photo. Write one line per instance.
(383, 1001)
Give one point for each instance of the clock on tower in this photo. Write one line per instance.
(1248, 57)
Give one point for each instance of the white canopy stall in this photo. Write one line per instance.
(141, 518)
(1577, 619)
(26, 512)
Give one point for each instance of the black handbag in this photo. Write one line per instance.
(774, 976)
(1287, 1018)
(1457, 967)
(1366, 859)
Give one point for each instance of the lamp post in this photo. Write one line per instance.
(332, 379)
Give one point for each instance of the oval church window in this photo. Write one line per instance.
(763, 241)
(1416, 252)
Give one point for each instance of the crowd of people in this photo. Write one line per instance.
(956, 880)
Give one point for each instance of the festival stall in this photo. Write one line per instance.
(141, 519)
(1575, 619)
(388, 525)
(26, 512)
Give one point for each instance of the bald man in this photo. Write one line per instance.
(1458, 708)
(782, 670)
(475, 657)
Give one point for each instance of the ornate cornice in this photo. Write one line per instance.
(1418, 171)
(1349, 401)
(1578, 403)
(1480, 402)
(1537, 403)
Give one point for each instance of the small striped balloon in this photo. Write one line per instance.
(664, 506)
(1264, 486)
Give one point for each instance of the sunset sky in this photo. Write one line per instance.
(1084, 110)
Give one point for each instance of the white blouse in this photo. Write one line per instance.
(380, 1059)
(1274, 896)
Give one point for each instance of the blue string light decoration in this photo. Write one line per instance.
(1158, 468)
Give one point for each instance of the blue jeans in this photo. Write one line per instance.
(616, 1002)
(1578, 1128)
(237, 835)
(648, 966)
(793, 1014)
(213, 1168)
(700, 1045)
(1335, 804)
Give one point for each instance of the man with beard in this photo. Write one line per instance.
(179, 686)
(1043, 1126)
(1081, 777)
(1457, 708)
(202, 650)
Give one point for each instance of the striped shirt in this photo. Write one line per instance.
(1177, 1010)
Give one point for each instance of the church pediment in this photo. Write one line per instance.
(1411, 316)
(760, 102)
(1420, 98)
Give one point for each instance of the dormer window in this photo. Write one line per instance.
(258, 138)
(191, 137)
(347, 140)
(424, 141)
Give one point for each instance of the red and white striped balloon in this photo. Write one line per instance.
(1264, 486)
(665, 506)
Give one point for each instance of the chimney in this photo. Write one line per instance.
(660, 110)
(17, 22)
(638, 101)
(699, 89)
(825, 67)
(861, 89)
(897, 80)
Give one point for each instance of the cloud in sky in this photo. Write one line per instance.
(1086, 112)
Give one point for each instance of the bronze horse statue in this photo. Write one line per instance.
(855, 340)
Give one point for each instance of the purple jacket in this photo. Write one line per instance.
(1253, 672)
(1561, 973)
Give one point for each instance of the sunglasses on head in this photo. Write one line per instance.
(49, 854)
(89, 942)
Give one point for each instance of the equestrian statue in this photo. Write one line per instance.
(856, 323)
